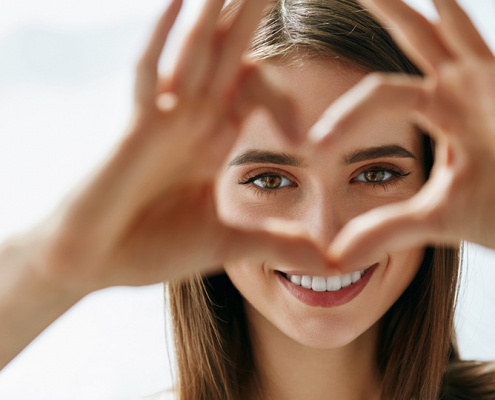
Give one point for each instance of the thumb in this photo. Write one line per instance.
(390, 228)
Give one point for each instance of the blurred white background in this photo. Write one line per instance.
(66, 76)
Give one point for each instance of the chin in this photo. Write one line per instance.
(326, 336)
(284, 314)
(322, 332)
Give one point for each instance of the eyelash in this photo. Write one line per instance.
(258, 190)
(397, 173)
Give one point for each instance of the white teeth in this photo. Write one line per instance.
(346, 280)
(306, 282)
(355, 276)
(330, 283)
(319, 284)
(296, 279)
(334, 283)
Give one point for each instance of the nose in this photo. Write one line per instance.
(323, 217)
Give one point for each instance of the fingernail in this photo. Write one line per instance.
(324, 132)
(317, 132)
(166, 101)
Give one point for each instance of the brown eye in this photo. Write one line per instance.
(374, 176)
(272, 181)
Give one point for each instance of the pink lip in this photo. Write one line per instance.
(327, 299)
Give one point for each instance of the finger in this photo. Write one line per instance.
(257, 89)
(388, 229)
(375, 95)
(233, 47)
(279, 248)
(459, 32)
(416, 35)
(197, 54)
(147, 69)
(419, 221)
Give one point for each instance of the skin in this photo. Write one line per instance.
(304, 351)
(455, 103)
(147, 214)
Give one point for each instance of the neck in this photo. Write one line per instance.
(288, 370)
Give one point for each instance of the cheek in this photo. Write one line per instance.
(272, 312)
(251, 279)
(398, 275)
(231, 204)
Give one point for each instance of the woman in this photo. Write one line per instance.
(260, 335)
(181, 195)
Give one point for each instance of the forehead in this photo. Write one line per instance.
(315, 83)
(314, 86)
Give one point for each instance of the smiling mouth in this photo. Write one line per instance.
(326, 291)
(325, 284)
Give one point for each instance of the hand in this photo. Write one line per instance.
(455, 103)
(148, 214)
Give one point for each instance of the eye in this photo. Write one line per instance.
(271, 181)
(375, 175)
(268, 181)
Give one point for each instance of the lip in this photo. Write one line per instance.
(327, 299)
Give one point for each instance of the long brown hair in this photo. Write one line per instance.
(418, 354)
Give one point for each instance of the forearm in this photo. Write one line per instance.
(29, 302)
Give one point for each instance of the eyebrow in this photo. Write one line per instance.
(271, 157)
(266, 157)
(377, 152)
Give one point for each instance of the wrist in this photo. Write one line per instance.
(27, 258)
(29, 299)
(24, 261)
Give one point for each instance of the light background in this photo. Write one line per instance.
(66, 75)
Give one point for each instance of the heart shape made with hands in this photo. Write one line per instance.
(148, 213)
(455, 103)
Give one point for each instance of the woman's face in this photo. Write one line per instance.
(265, 177)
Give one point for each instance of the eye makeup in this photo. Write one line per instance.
(268, 182)
(271, 181)
(368, 174)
